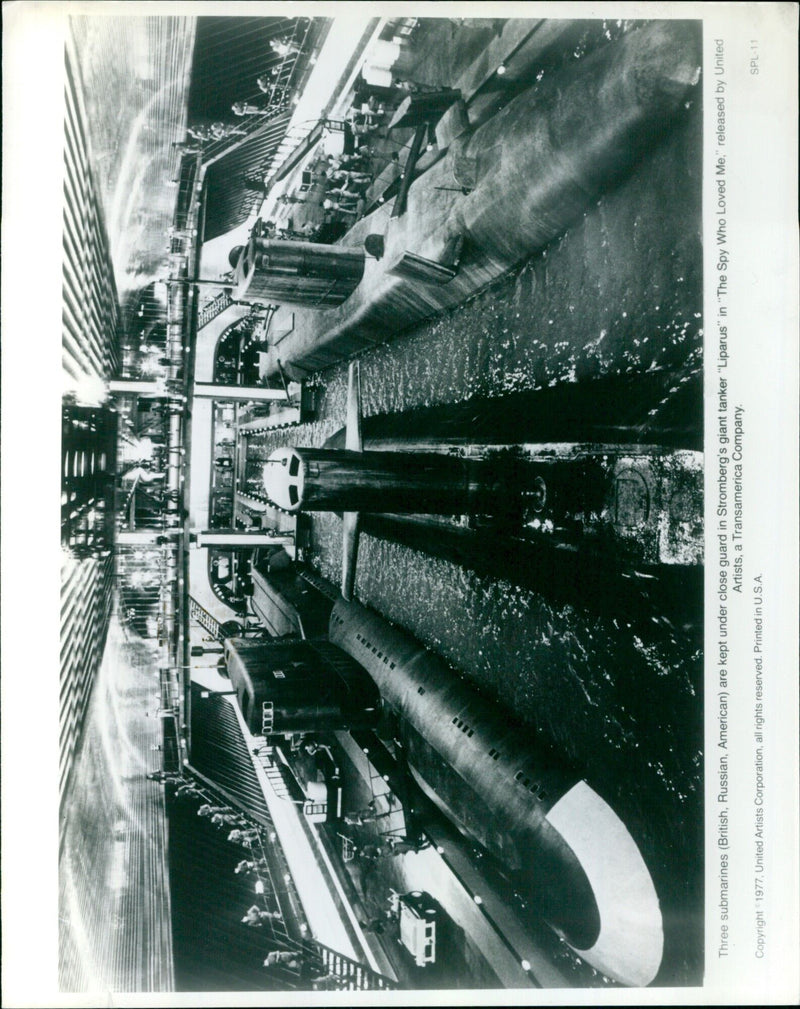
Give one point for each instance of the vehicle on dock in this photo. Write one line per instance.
(418, 915)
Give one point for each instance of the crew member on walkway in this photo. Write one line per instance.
(246, 109)
(255, 916)
(285, 957)
(284, 46)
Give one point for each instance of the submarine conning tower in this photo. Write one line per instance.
(311, 479)
(294, 273)
(286, 687)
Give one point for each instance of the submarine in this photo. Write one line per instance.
(554, 835)
(637, 508)
(548, 827)
(496, 189)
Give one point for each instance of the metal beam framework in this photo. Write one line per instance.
(240, 538)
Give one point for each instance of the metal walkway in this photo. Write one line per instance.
(204, 618)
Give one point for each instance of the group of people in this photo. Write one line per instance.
(382, 845)
(275, 84)
(390, 846)
(309, 966)
(202, 134)
(366, 118)
(248, 837)
(339, 184)
(289, 232)
(205, 134)
(348, 177)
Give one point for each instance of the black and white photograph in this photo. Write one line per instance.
(403, 547)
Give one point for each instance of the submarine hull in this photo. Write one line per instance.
(539, 165)
(561, 840)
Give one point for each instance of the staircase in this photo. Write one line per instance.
(271, 768)
(204, 618)
(213, 308)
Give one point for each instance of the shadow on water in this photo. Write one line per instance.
(659, 407)
(674, 594)
(605, 411)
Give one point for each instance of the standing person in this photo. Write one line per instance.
(200, 133)
(285, 957)
(350, 176)
(255, 917)
(345, 192)
(248, 865)
(216, 131)
(220, 130)
(284, 46)
(244, 837)
(365, 115)
(339, 207)
(394, 903)
(278, 93)
(329, 982)
(227, 819)
(186, 789)
(208, 810)
(246, 109)
(361, 124)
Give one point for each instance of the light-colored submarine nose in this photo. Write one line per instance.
(284, 477)
(630, 945)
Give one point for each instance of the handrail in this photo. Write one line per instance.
(205, 619)
(215, 307)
